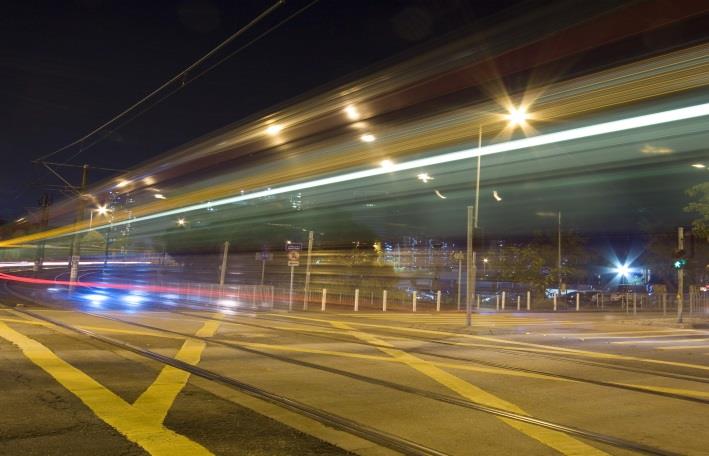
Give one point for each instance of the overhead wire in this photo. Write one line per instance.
(179, 77)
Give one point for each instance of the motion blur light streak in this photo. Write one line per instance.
(368, 137)
(387, 166)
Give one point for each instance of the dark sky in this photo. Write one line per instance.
(67, 66)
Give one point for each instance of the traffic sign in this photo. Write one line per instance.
(294, 246)
(264, 256)
(458, 255)
(293, 258)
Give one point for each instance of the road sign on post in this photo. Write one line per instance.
(293, 258)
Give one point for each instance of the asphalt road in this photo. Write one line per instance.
(67, 393)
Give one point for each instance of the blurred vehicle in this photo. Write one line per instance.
(585, 297)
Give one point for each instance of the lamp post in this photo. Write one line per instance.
(516, 116)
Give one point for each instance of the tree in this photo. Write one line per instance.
(700, 226)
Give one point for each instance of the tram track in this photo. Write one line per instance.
(376, 436)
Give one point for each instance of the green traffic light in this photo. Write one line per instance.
(680, 263)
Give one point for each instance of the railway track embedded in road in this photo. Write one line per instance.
(336, 421)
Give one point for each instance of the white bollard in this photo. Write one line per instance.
(477, 299)
(384, 301)
(518, 302)
(324, 299)
(438, 301)
(578, 301)
(554, 303)
(413, 301)
(497, 302)
(356, 303)
(503, 300)
(529, 301)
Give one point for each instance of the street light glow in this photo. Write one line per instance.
(160, 196)
(181, 221)
(274, 129)
(387, 165)
(517, 116)
(424, 177)
(102, 210)
(368, 138)
(699, 165)
(352, 112)
(622, 270)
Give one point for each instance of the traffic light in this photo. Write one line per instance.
(680, 259)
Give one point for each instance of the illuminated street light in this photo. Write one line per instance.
(102, 210)
(181, 222)
(517, 116)
(352, 113)
(699, 165)
(387, 164)
(496, 195)
(424, 177)
(274, 129)
(368, 138)
(622, 270)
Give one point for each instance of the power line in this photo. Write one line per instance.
(179, 77)
(199, 75)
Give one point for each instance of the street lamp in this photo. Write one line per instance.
(100, 210)
(515, 117)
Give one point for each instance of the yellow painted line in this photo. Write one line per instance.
(467, 367)
(559, 441)
(129, 332)
(683, 347)
(93, 328)
(508, 343)
(652, 341)
(24, 322)
(159, 397)
(664, 389)
(133, 423)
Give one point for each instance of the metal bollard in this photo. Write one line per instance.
(356, 300)
(578, 301)
(384, 301)
(554, 303)
(529, 301)
(518, 302)
(497, 302)
(477, 301)
(635, 308)
(324, 299)
(438, 301)
(413, 301)
(503, 301)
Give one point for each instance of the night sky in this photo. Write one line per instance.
(67, 66)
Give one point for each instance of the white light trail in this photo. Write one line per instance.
(604, 128)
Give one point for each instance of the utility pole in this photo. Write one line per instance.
(222, 272)
(680, 276)
(558, 250)
(44, 203)
(470, 270)
(76, 242)
(306, 289)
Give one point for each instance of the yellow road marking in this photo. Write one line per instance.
(633, 342)
(557, 440)
(159, 397)
(569, 351)
(26, 322)
(93, 328)
(134, 424)
(683, 347)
